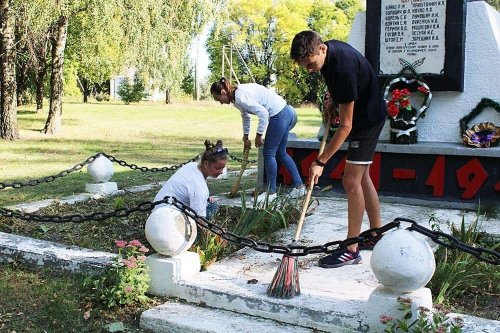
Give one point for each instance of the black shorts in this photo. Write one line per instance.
(362, 144)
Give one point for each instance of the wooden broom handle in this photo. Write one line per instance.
(311, 186)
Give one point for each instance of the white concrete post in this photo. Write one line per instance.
(171, 233)
(403, 264)
(101, 170)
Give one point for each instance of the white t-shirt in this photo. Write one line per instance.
(258, 100)
(189, 186)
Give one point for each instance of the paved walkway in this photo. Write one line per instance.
(332, 300)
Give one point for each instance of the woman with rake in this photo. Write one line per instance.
(189, 183)
(275, 115)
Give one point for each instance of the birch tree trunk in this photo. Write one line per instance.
(54, 119)
(8, 107)
(41, 69)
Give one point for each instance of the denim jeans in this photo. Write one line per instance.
(212, 209)
(275, 147)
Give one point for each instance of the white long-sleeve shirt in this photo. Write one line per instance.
(252, 98)
(189, 186)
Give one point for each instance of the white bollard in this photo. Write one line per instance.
(101, 170)
(403, 263)
(171, 233)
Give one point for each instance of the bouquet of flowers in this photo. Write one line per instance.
(403, 115)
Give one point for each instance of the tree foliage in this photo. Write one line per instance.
(132, 92)
(262, 31)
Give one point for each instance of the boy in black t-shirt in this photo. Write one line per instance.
(353, 86)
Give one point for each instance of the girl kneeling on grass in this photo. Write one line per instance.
(189, 183)
(273, 113)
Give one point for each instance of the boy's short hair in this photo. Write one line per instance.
(305, 44)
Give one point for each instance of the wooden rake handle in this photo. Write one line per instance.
(244, 162)
(311, 186)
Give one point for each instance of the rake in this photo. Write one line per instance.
(285, 283)
(244, 162)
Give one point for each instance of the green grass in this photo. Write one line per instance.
(152, 135)
(45, 302)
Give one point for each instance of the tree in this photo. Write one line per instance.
(132, 92)
(8, 107)
(262, 30)
(95, 45)
(58, 44)
(158, 46)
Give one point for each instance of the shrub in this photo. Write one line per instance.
(131, 92)
(127, 280)
(458, 272)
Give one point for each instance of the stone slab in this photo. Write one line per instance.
(103, 188)
(166, 272)
(185, 318)
(35, 252)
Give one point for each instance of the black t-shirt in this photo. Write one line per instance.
(350, 77)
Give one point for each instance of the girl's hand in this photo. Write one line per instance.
(258, 141)
(212, 199)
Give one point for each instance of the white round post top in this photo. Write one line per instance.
(169, 231)
(402, 262)
(100, 169)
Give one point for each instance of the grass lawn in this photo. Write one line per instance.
(151, 135)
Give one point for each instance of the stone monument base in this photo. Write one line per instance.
(165, 272)
(383, 301)
(102, 188)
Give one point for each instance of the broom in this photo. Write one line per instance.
(285, 283)
(244, 162)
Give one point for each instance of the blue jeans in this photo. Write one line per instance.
(275, 147)
(212, 209)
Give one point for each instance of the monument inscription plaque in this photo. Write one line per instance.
(427, 34)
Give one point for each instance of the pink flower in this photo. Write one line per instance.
(143, 249)
(129, 263)
(120, 243)
(142, 258)
(134, 242)
(385, 319)
(128, 289)
(132, 259)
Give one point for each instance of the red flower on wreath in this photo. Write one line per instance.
(399, 100)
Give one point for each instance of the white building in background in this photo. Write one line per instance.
(153, 95)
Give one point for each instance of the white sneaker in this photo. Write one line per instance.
(262, 197)
(297, 192)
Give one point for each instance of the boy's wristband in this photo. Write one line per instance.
(318, 162)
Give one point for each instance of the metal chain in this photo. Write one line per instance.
(235, 158)
(451, 242)
(48, 179)
(146, 169)
(293, 249)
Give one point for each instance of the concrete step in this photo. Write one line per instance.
(330, 300)
(187, 318)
